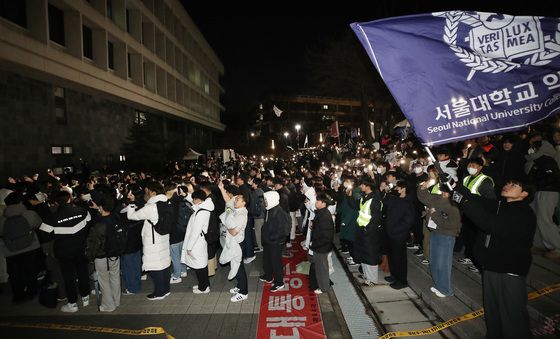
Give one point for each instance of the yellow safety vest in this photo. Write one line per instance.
(472, 184)
(435, 189)
(364, 215)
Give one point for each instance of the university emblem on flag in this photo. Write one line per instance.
(495, 43)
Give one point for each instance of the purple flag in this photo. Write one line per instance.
(458, 75)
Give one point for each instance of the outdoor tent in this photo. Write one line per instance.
(191, 155)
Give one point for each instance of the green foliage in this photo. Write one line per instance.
(145, 146)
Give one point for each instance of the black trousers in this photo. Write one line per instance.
(202, 277)
(397, 258)
(241, 275)
(72, 268)
(418, 231)
(161, 281)
(272, 263)
(22, 269)
(505, 306)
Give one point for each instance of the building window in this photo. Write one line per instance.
(87, 42)
(129, 58)
(14, 11)
(127, 12)
(61, 149)
(56, 25)
(325, 107)
(122, 158)
(60, 105)
(110, 9)
(140, 118)
(111, 57)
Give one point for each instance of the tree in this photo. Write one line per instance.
(340, 67)
(145, 147)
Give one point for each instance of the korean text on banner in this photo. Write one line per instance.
(460, 74)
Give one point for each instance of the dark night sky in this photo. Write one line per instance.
(262, 46)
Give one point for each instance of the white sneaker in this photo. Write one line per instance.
(144, 277)
(69, 308)
(103, 309)
(318, 291)
(249, 260)
(436, 292)
(94, 292)
(197, 291)
(183, 274)
(234, 290)
(85, 300)
(238, 297)
(195, 287)
(174, 280)
(288, 245)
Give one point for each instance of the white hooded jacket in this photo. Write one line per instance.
(233, 218)
(194, 238)
(155, 247)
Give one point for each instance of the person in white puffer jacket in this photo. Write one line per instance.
(195, 248)
(156, 255)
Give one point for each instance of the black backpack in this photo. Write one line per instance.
(184, 212)
(212, 235)
(116, 237)
(17, 233)
(166, 218)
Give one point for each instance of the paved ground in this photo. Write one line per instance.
(182, 314)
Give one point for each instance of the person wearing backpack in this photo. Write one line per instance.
(183, 211)
(195, 247)
(156, 258)
(256, 211)
(19, 244)
(69, 226)
(131, 259)
(105, 243)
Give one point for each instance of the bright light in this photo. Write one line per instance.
(298, 127)
(321, 137)
(286, 134)
(272, 144)
(252, 134)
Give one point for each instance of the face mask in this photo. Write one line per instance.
(418, 170)
(472, 171)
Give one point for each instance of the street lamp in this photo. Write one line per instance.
(298, 127)
(286, 134)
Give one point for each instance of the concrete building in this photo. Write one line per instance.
(76, 75)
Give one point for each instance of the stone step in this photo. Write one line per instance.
(468, 292)
(420, 281)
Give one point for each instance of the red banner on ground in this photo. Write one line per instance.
(293, 312)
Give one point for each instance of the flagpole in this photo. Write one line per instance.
(338, 131)
(437, 165)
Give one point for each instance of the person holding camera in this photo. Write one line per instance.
(510, 226)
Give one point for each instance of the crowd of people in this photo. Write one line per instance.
(491, 199)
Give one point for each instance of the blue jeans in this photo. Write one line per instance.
(131, 268)
(441, 260)
(178, 268)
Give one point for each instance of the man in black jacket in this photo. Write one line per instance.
(322, 236)
(506, 256)
(69, 225)
(273, 237)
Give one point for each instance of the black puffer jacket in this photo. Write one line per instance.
(322, 233)
(277, 222)
(400, 216)
(70, 228)
(511, 226)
